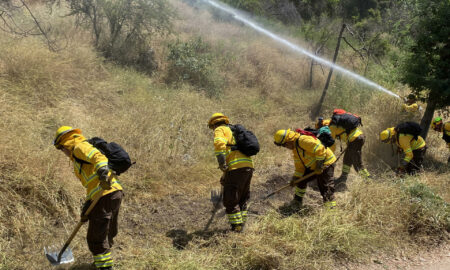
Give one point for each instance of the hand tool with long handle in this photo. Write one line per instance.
(304, 178)
(65, 255)
(289, 185)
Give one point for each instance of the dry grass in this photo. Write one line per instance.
(166, 204)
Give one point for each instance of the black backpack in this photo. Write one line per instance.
(347, 121)
(118, 159)
(446, 137)
(411, 128)
(246, 141)
(325, 136)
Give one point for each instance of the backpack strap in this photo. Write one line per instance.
(296, 149)
(79, 160)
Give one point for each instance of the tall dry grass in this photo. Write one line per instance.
(164, 130)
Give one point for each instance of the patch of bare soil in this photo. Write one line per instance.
(437, 258)
(185, 218)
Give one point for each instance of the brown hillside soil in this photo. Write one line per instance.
(430, 259)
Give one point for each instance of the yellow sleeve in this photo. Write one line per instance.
(405, 145)
(220, 141)
(447, 128)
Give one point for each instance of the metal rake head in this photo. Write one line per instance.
(216, 198)
(52, 254)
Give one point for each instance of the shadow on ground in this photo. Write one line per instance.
(180, 238)
(82, 266)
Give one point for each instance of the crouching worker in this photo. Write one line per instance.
(91, 168)
(309, 156)
(237, 171)
(439, 126)
(413, 146)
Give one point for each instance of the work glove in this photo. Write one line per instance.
(103, 176)
(222, 163)
(319, 167)
(292, 183)
(85, 207)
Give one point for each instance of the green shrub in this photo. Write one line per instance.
(191, 62)
(429, 213)
(122, 29)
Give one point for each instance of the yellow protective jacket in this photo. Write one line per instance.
(338, 132)
(223, 139)
(87, 171)
(408, 144)
(307, 151)
(413, 108)
(446, 132)
(325, 122)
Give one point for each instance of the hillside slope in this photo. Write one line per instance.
(163, 127)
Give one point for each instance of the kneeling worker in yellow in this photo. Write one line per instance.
(439, 126)
(413, 146)
(91, 168)
(309, 156)
(237, 171)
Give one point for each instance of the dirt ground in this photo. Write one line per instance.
(176, 217)
(432, 259)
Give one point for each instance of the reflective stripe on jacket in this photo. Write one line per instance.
(408, 144)
(223, 138)
(307, 151)
(339, 132)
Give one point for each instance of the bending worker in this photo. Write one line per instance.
(91, 168)
(309, 156)
(237, 171)
(413, 147)
(354, 139)
(439, 126)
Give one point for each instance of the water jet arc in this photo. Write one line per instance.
(297, 48)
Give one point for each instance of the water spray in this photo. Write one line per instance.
(297, 48)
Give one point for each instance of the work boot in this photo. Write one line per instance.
(296, 204)
(237, 227)
(340, 184)
(329, 205)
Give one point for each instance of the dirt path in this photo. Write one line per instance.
(435, 259)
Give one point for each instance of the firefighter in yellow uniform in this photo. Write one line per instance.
(91, 168)
(353, 153)
(410, 105)
(237, 171)
(439, 126)
(414, 149)
(309, 156)
(322, 122)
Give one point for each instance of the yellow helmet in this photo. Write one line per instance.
(217, 118)
(387, 134)
(280, 136)
(436, 121)
(63, 130)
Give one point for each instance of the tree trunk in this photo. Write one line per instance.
(427, 118)
(311, 73)
(316, 112)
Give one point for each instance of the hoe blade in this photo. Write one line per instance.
(52, 253)
(216, 198)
